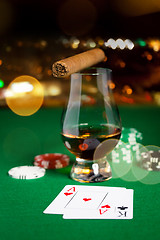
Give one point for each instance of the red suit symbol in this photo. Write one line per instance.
(70, 191)
(104, 209)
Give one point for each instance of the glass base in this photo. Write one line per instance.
(91, 171)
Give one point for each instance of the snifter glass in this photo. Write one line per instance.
(91, 125)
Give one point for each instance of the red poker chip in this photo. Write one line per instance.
(51, 160)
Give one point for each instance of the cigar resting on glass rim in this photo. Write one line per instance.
(76, 63)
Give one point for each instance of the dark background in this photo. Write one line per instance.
(34, 34)
(80, 18)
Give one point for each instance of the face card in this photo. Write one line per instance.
(59, 204)
(116, 205)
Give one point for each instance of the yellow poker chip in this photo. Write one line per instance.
(26, 172)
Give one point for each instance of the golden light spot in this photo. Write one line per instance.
(122, 64)
(156, 48)
(105, 59)
(91, 43)
(19, 43)
(149, 57)
(78, 170)
(8, 49)
(88, 78)
(111, 85)
(43, 43)
(49, 72)
(100, 42)
(24, 95)
(74, 45)
(90, 88)
(53, 90)
(86, 171)
(85, 135)
(1, 62)
(127, 90)
(39, 69)
(155, 44)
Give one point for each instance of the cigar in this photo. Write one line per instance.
(76, 63)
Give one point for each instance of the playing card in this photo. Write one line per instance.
(65, 197)
(57, 206)
(86, 200)
(115, 205)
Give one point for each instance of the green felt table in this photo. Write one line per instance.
(22, 201)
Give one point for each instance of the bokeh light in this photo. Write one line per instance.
(24, 95)
(129, 44)
(127, 90)
(74, 43)
(111, 84)
(1, 83)
(135, 8)
(154, 44)
(91, 43)
(120, 43)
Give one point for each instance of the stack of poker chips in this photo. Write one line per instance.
(131, 135)
(133, 138)
(41, 162)
(128, 146)
(150, 159)
(51, 160)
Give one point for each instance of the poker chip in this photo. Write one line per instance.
(151, 160)
(146, 168)
(133, 138)
(136, 172)
(120, 160)
(131, 135)
(26, 172)
(51, 160)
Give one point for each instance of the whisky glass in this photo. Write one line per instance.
(91, 125)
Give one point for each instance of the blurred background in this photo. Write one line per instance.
(34, 34)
